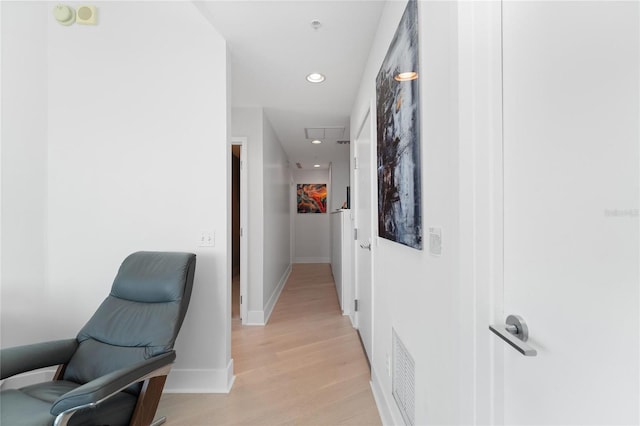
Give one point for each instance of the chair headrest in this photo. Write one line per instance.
(152, 277)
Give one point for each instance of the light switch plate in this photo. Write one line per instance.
(435, 241)
(207, 239)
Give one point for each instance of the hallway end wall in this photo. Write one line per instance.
(312, 232)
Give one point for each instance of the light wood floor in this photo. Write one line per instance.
(305, 367)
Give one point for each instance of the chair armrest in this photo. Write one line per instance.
(20, 359)
(97, 390)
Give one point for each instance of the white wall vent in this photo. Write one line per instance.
(403, 380)
(324, 132)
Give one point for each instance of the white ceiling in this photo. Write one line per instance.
(273, 47)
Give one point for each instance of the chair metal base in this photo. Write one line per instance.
(159, 421)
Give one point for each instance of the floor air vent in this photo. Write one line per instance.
(403, 380)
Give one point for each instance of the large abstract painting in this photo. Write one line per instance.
(312, 198)
(398, 132)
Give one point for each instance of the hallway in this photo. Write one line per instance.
(306, 367)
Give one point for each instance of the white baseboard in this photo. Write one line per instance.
(255, 318)
(271, 303)
(262, 317)
(179, 380)
(200, 380)
(386, 410)
(27, 379)
(312, 260)
(354, 322)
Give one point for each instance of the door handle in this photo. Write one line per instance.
(366, 246)
(515, 332)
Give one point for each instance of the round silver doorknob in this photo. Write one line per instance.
(517, 326)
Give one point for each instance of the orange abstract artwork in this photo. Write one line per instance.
(312, 198)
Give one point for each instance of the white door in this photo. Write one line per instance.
(571, 196)
(363, 213)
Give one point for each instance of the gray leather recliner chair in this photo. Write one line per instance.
(114, 371)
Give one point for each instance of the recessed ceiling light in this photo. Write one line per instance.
(316, 141)
(316, 165)
(315, 77)
(315, 24)
(406, 76)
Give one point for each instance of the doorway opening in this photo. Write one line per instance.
(235, 232)
(238, 213)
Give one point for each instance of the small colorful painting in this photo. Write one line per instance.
(312, 198)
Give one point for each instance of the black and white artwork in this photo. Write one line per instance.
(398, 136)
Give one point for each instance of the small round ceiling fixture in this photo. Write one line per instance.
(316, 165)
(406, 76)
(316, 141)
(315, 24)
(315, 77)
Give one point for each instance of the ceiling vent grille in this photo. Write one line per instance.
(324, 132)
(403, 380)
(343, 142)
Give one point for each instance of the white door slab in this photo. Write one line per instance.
(363, 211)
(571, 197)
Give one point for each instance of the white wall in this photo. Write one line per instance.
(24, 158)
(277, 216)
(339, 182)
(136, 143)
(312, 231)
(414, 292)
(269, 215)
